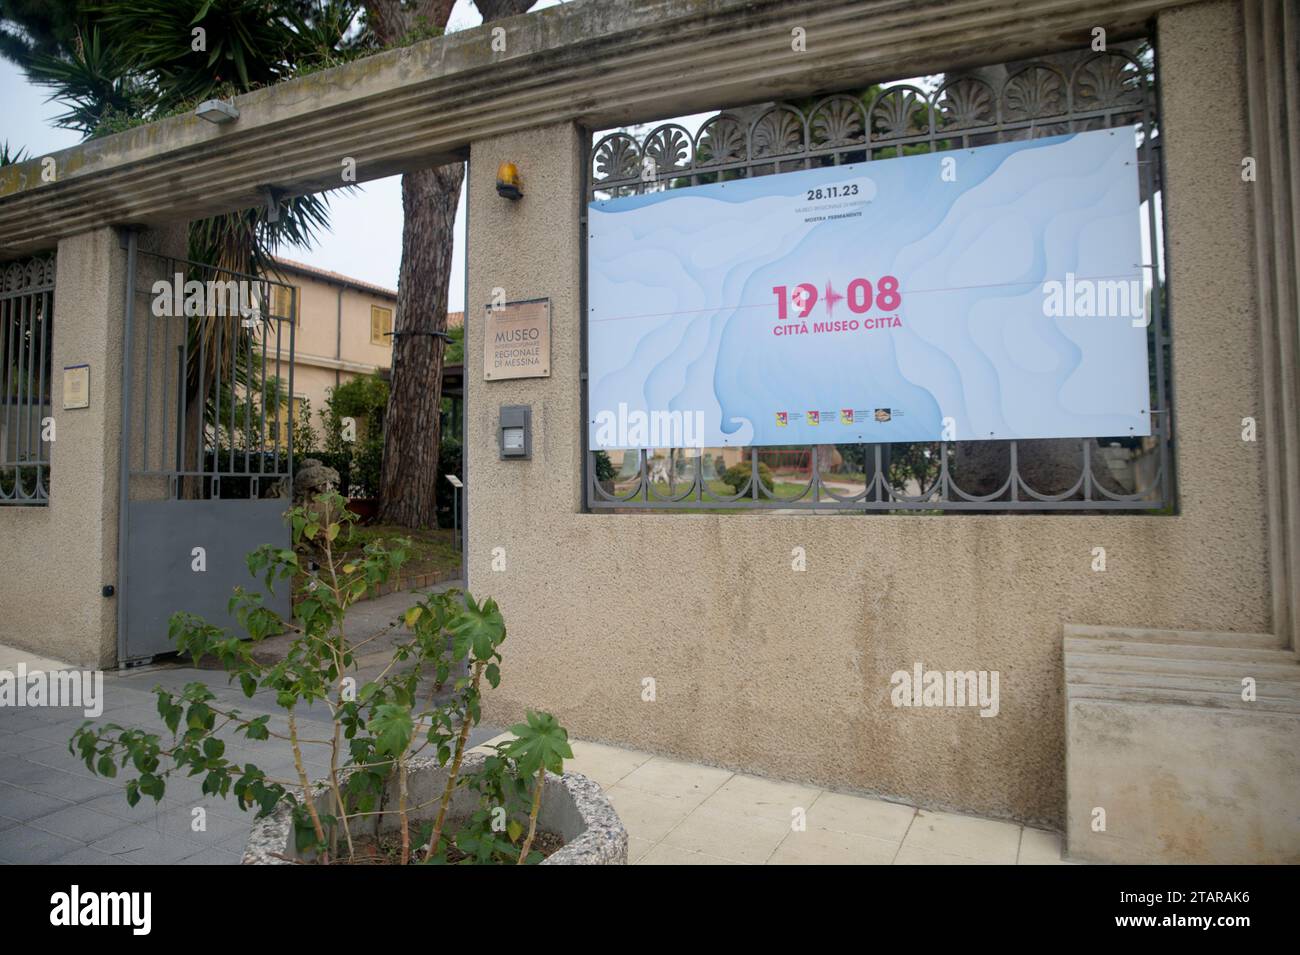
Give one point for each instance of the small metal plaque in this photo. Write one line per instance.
(76, 386)
(517, 340)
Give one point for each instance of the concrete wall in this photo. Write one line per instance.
(786, 673)
(1183, 784)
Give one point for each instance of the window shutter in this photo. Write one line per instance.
(381, 324)
(282, 301)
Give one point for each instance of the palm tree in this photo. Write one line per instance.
(31, 27)
(140, 60)
(11, 157)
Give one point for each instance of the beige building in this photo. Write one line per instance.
(344, 329)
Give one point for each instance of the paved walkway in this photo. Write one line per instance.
(52, 810)
(680, 813)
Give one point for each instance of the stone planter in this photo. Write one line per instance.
(573, 807)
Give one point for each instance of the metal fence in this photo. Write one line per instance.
(208, 389)
(26, 316)
(1067, 93)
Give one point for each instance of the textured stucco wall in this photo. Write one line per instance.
(55, 560)
(787, 673)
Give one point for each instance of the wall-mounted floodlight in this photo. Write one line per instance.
(217, 111)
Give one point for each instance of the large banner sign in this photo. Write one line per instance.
(978, 294)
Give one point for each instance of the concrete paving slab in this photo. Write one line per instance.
(24, 844)
(677, 813)
(79, 823)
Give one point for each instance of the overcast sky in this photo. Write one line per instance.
(366, 240)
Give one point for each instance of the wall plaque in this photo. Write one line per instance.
(76, 386)
(517, 340)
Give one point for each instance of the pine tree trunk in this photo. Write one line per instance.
(409, 483)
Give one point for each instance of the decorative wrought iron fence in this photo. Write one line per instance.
(1062, 94)
(26, 355)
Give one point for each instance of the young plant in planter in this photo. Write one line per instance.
(380, 730)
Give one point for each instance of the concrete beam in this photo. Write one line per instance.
(598, 63)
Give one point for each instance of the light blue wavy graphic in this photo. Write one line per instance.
(682, 312)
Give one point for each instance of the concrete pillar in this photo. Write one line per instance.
(57, 559)
(1273, 90)
(529, 249)
(1162, 736)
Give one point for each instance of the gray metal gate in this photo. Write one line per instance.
(207, 442)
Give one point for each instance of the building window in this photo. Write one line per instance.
(381, 325)
(282, 301)
(27, 385)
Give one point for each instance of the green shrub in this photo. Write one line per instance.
(379, 725)
(364, 399)
(367, 466)
(738, 476)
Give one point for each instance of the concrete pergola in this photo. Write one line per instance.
(757, 668)
(596, 64)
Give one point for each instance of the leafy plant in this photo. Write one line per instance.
(363, 399)
(377, 729)
(304, 435)
(357, 446)
(605, 470)
(455, 353)
(11, 157)
(738, 476)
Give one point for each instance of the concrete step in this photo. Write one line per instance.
(1283, 667)
(1164, 696)
(1182, 683)
(1195, 651)
(1208, 638)
(1156, 666)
